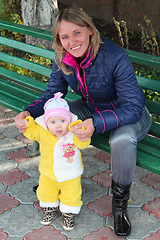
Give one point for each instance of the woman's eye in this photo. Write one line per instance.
(65, 37)
(77, 33)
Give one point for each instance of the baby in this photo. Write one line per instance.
(61, 164)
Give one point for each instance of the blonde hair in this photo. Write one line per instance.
(80, 18)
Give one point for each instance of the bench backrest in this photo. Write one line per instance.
(136, 57)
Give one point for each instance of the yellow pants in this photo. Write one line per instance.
(66, 194)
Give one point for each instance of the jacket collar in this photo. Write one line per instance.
(70, 60)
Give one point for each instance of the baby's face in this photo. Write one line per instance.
(58, 126)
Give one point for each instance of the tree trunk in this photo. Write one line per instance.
(40, 14)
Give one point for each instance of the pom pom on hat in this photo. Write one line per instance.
(57, 106)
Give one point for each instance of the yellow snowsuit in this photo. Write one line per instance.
(60, 167)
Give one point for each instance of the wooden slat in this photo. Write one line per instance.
(149, 83)
(27, 48)
(25, 64)
(23, 80)
(31, 31)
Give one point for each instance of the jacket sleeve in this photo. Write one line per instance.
(56, 84)
(130, 97)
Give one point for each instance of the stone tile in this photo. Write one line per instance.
(152, 180)
(10, 144)
(30, 167)
(4, 120)
(153, 207)
(11, 131)
(142, 223)
(1, 136)
(85, 222)
(104, 157)
(13, 176)
(90, 151)
(153, 236)
(19, 156)
(140, 173)
(103, 233)
(6, 164)
(91, 190)
(23, 191)
(7, 202)
(3, 235)
(3, 188)
(103, 178)
(23, 139)
(102, 206)
(20, 220)
(141, 194)
(93, 166)
(46, 232)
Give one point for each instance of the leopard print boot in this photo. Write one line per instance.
(68, 221)
(49, 215)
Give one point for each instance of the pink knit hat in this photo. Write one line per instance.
(57, 106)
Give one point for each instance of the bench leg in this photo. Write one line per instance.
(34, 151)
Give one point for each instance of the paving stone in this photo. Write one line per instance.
(103, 178)
(104, 157)
(10, 144)
(153, 236)
(7, 202)
(19, 156)
(102, 206)
(6, 164)
(140, 173)
(13, 176)
(90, 151)
(30, 167)
(47, 232)
(3, 188)
(141, 194)
(20, 220)
(3, 235)
(93, 166)
(11, 131)
(152, 180)
(85, 222)
(153, 207)
(4, 120)
(103, 233)
(91, 190)
(23, 190)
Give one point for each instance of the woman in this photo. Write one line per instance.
(101, 72)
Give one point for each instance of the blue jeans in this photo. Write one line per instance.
(123, 142)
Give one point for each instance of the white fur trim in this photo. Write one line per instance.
(68, 209)
(48, 204)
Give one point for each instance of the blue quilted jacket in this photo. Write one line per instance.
(109, 87)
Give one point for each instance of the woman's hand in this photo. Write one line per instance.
(21, 125)
(87, 133)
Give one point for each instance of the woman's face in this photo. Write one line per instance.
(75, 39)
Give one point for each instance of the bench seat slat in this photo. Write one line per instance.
(18, 91)
(153, 107)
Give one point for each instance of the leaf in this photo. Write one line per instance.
(1, 6)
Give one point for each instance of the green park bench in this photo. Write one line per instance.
(17, 90)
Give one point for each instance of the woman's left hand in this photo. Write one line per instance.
(85, 134)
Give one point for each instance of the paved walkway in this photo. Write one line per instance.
(20, 212)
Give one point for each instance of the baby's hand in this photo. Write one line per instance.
(21, 122)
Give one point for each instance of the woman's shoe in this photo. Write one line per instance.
(122, 225)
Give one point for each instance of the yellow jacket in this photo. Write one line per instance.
(60, 158)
